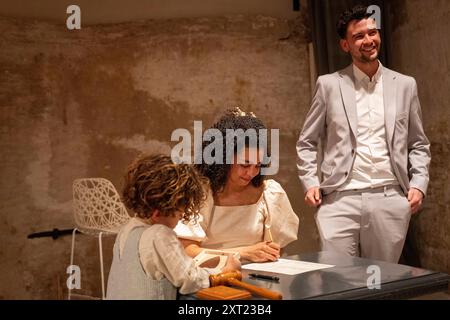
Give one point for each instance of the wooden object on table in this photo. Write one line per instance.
(223, 293)
(234, 279)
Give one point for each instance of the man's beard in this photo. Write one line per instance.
(367, 59)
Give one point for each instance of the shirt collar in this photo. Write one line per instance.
(360, 76)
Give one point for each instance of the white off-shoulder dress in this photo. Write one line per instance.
(224, 227)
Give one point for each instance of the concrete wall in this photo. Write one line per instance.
(85, 103)
(420, 47)
(115, 11)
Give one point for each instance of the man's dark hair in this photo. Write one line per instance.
(358, 12)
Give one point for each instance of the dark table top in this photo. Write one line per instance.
(349, 279)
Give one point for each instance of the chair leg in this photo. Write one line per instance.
(74, 232)
(101, 264)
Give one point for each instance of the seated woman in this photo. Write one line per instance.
(243, 211)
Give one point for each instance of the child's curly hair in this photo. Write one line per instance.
(155, 182)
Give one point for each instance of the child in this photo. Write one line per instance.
(149, 262)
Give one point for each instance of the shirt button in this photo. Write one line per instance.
(353, 151)
(346, 173)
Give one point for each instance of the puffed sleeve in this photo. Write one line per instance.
(196, 230)
(280, 216)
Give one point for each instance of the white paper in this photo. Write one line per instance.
(286, 266)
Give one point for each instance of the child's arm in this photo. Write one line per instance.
(162, 254)
(232, 264)
(191, 247)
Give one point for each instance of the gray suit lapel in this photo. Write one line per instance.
(346, 83)
(389, 99)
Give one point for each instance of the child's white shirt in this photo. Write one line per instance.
(163, 256)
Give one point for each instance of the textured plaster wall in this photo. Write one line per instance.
(85, 103)
(421, 48)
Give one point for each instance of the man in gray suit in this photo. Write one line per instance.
(374, 172)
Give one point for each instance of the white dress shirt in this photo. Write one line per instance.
(372, 166)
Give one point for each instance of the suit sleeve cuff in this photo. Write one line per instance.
(308, 183)
(420, 184)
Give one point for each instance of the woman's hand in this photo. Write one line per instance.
(261, 252)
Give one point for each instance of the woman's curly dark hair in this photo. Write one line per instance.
(231, 119)
(155, 182)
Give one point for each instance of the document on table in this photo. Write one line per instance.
(286, 266)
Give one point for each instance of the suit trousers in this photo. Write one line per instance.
(370, 223)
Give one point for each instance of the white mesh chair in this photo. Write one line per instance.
(97, 210)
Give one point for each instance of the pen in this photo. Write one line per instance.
(270, 233)
(263, 276)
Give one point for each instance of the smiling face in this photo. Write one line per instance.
(362, 41)
(246, 166)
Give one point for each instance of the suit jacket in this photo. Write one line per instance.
(332, 120)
